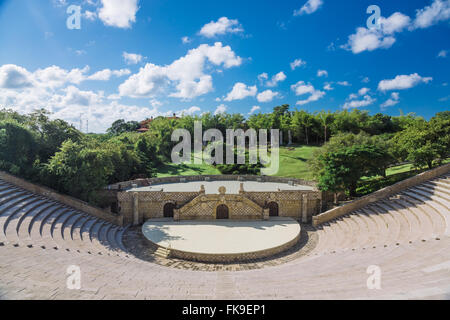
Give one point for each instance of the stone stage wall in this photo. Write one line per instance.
(138, 207)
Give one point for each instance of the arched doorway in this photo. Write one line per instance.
(273, 209)
(168, 210)
(222, 212)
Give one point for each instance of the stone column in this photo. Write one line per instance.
(266, 214)
(281, 138)
(290, 138)
(305, 208)
(135, 209)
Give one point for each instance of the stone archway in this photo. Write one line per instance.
(222, 212)
(169, 210)
(273, 209)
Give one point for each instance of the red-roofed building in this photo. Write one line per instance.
(146, 123)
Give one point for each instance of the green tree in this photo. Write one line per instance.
(343, 169)
(18, 148)
(120, 126)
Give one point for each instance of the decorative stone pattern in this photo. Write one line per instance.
(204, 207)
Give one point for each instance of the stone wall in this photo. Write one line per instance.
(380, 194)
(64, 199)
(137, 207)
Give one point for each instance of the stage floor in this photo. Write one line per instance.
(229, 239)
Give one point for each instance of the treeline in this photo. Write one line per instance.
(356, 145)
(55, 154)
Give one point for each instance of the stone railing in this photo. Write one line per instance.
(64, 199)
(178, 179)
(380, 194)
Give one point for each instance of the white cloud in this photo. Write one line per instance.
(54, 76)
(301, 88)
(118, 13)
(241, 91)
(297, 63)
(132, 58)
(14, 77)
(185, 40)
(371, 39)
(90, 15)
(328, 87)
(189, 112)
(366, 101)
(363, 91)
(310, 7)
(365, 80)
(220, 27)
(344, 83)
(392, 101)
(403, 82)
(254, 109)
(442, 54)
(221, 109)
(279, 77)
(322, 73)
(106, 74)
(155, 103)
(266, 96)
(262, 77)
(431, 15)
(187, 74)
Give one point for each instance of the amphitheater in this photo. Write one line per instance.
(404, 230)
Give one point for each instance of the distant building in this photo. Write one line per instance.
(146, 123)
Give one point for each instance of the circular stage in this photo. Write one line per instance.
(223, 241)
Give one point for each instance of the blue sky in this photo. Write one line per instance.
(134, 59)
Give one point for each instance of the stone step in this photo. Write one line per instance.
(410, 217)
(406, 225)
(56, 229)
(8, 199)
(14, 209)
(374, 224)
(356, 234)
(37, 224)
(23, 225)
(384, 229)
(425, 223)
(364, 225)
(341, 232)
(162, 253)
(434, 204)
(441, 188)
(432, 196)
(119, 237)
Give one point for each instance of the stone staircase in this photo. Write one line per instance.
(419, 213)
(162, 253)
(31, 220)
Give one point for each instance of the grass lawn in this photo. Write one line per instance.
(293, 162)
(170, 169)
